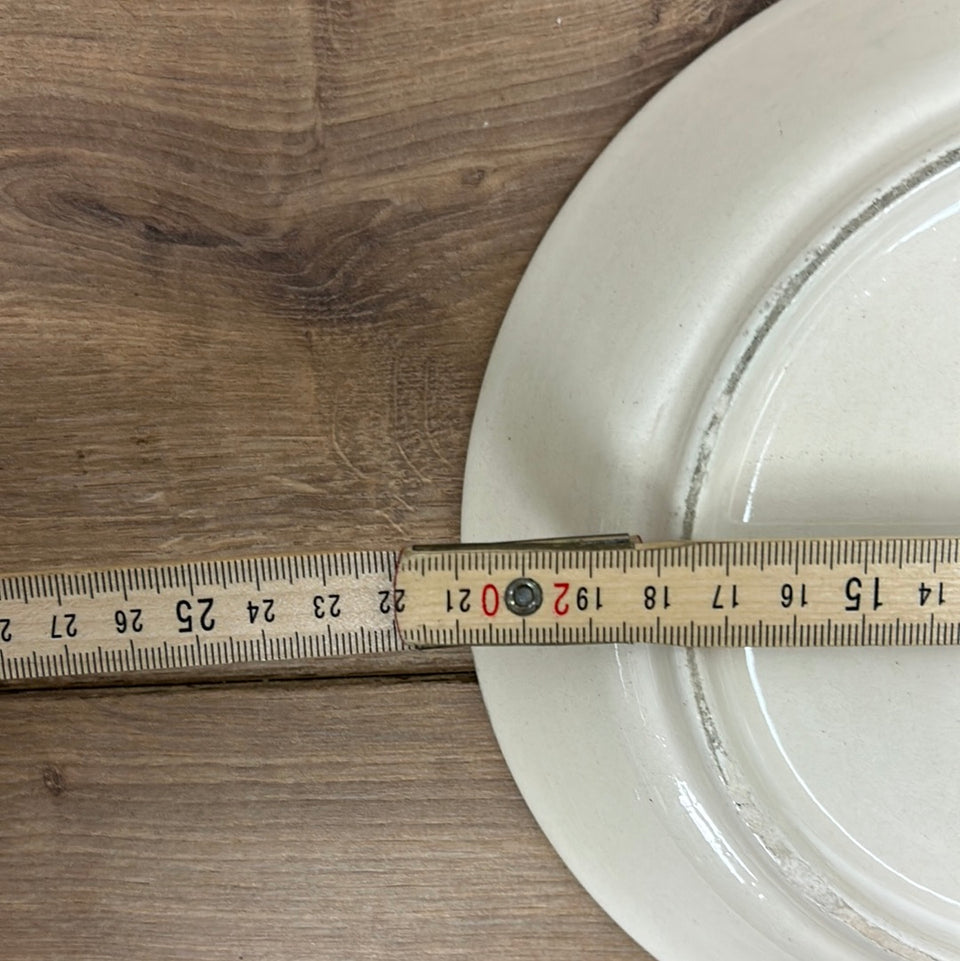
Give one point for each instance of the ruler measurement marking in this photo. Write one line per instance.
(875, 579)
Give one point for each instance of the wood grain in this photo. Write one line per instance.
(334, 820)
(253, 257)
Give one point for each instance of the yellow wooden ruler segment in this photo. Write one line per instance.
(766, 593)
(201, 614)
(771, 593)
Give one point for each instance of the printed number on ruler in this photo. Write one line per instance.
(804, 592)
(151, 618)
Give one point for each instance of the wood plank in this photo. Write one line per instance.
(336, 819)
(252, 261)
(253, 257)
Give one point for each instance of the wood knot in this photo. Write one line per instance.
(53, 779)
(473, 177)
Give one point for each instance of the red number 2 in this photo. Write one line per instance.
(560, 606)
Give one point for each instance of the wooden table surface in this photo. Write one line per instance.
(253, 257)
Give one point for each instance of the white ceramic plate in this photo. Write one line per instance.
(746, 321)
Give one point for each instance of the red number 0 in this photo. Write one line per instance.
(490, 607)
(560, 607)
